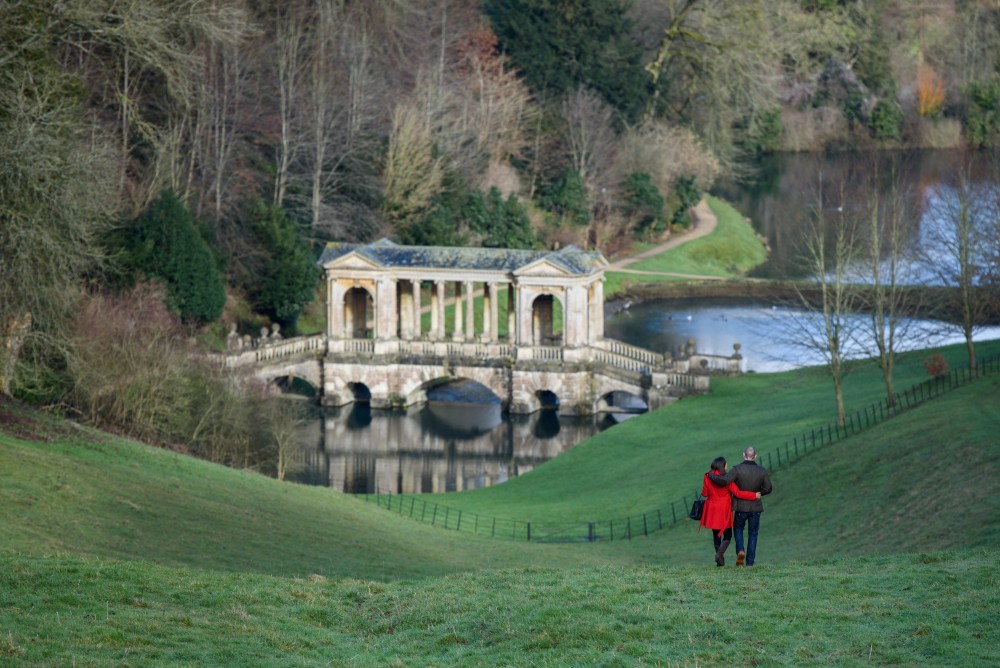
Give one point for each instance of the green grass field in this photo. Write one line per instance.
(880, 548)
(729, 252)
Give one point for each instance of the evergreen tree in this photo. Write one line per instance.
(163, 243)
(561, 45)
(501, 223)
(287, 276)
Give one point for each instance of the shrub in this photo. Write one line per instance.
(983, 115)
(687, 194)
(937, 366)
(887, 120)
(642, 202)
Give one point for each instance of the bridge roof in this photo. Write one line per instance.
(388, 254)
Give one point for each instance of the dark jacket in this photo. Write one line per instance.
(750, 477)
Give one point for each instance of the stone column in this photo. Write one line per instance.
(456, 333)
(470, 312)
(335, 323)
(491, 312)
(405, 308)
(417, 312)
(386, 315)
(575, 315)
(596, 311)
(438, 310)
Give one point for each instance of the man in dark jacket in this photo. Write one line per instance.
(750, 477)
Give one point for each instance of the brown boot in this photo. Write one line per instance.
(720, 558)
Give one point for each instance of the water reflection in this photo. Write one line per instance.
(438, 447)
(788, 189)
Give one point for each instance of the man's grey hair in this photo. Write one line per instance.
(749, 454)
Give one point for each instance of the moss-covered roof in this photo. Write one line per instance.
(391, 255)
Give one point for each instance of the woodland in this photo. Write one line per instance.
(171, 167)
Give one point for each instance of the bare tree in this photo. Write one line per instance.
(591, 139)
(956, 249)
(412, 174)
(291, 65)
(829, 326)
(55, 200)
(886, 266)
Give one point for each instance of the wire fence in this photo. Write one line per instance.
(650, 521)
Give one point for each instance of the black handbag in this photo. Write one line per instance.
(696, 509)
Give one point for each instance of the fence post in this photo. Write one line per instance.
(611, 524)
(779, 457)
(423, 511)
(659, 519)
(590, 531)
(459, 526)
(645, 531)
(413, 502)
(628, 528)
(446, 511)
(673, 512)
(434, 516)
(529, 532)
(494, 531)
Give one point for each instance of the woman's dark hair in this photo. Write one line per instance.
(718, 463)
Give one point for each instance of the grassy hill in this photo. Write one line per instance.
(115, 552)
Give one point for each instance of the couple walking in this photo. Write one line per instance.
(746, 482)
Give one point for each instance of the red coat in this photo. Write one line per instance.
(718, 510)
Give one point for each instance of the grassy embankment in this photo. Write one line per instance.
(91, 524)
(729, 252)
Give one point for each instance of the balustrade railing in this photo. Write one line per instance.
(635, 353)
(290, 347)
(609, 352)
(547, 353)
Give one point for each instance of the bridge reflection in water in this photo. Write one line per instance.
(436, 447)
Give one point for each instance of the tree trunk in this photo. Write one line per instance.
(13, 338)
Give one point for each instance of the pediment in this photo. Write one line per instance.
(352, 260)
(542, 267)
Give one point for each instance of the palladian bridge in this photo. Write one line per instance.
(528, 325)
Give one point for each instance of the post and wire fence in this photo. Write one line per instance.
(436, 514)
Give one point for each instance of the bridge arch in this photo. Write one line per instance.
(621, 401)
(296, 384)
(547, 400)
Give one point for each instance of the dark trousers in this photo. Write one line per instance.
(752, 522)
(727, 534)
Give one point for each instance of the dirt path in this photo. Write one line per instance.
(704, 224)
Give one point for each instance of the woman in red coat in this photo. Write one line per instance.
(718, 511)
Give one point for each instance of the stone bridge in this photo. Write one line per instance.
(528, 325)
(596, 381)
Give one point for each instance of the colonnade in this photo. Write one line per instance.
(386, 308)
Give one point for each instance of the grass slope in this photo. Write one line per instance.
(115, 552)
(729, 252)
(906, 609)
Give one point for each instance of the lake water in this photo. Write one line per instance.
(451, 444)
